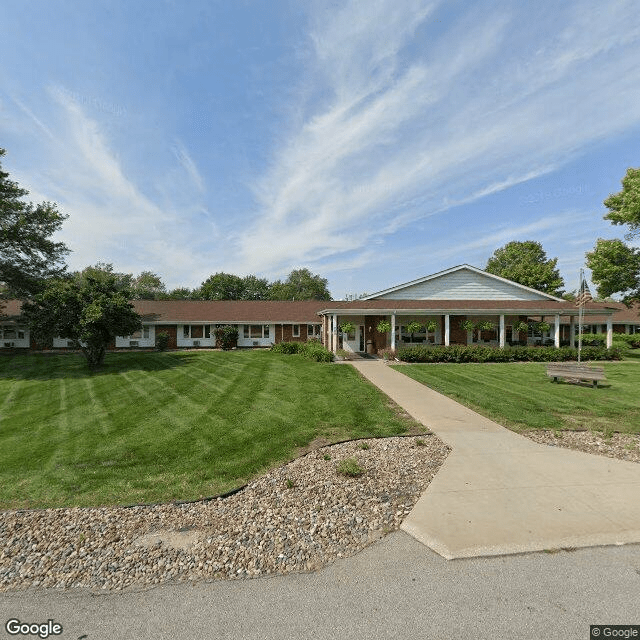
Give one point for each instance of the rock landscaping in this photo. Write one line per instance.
(623, 446)
(298, 517)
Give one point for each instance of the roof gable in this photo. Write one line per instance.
(463, 282)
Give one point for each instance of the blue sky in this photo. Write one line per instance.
(373, 141)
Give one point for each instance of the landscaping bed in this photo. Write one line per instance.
(297, 517)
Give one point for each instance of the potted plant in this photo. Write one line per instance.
(467, 325)
(543, 327)
(384, 326)
(413, 327)
(347, 327)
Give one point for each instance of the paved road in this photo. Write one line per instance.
(394, 589)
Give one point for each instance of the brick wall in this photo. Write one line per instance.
(456, 334)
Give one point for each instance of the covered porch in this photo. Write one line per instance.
(369, 331)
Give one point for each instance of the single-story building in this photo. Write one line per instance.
(445, 304)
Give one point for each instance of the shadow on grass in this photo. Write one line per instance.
(51, 366)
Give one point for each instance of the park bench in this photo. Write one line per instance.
(573, 372)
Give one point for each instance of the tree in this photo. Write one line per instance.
(624, 206)
(180, 293)
(227, 286)
(615, 268)
(301, 284)
(28, 256)
(527, 263)
(148, 286)
(87, 309)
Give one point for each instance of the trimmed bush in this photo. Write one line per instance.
(312, 350)
(162, 340)
(462, 353)
(227, 337)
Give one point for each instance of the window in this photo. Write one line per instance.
(295, 330)
(141, 333)
(256, 330)
(9, 332)
(196, 331)
(313, 330)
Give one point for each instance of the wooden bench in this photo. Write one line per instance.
(573, 372)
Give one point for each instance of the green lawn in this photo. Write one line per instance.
(521, 396)
(154, 427)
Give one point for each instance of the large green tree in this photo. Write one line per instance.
(28, 255)
(91, 311)
(148, 286)
(227, 286)
(301, 284)
(624, 206)
(615, 266)
(527, 263)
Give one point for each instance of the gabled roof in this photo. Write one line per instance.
(456, 269)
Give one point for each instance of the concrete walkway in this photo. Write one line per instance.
(500, 493)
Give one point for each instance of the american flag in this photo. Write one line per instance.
(584, 295)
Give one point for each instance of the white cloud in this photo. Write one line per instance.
(416, 127)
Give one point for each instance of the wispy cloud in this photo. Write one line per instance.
(413, 119)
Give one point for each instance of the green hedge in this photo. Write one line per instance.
(312, 350)
(461, 353)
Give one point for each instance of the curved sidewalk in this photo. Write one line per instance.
(500, 493)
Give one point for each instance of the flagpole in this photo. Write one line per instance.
(580, 312)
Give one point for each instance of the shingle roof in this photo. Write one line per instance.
(231, 311)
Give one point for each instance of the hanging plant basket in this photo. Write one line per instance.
(543, 326)
(467, 325)
(384, 326)
(486, 325)
(431, 326)
(347, 327)
(414, 327)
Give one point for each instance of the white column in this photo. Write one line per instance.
(556, 337)
(447, 331)
(393, 330)
(502, 332)
(572, 330)
(334, 333)
(609, 332)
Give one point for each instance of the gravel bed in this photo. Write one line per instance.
(623, 446)
(298, 517)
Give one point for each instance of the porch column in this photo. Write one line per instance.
(609, 332)
(556, 337)
(334, 333)
(447, 330)
(572, 331)
(393, 330)
(502, 332)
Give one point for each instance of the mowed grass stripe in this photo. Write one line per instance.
(521, 396)
(153, 427)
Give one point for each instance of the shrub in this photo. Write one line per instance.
(162, 340)
(350, 467)
(388, 353)
(227, 336)
(312, 350)
(462, 353)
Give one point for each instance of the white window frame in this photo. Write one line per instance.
(295, 330)
(187, 331)
(314, 330)
(248, 335)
